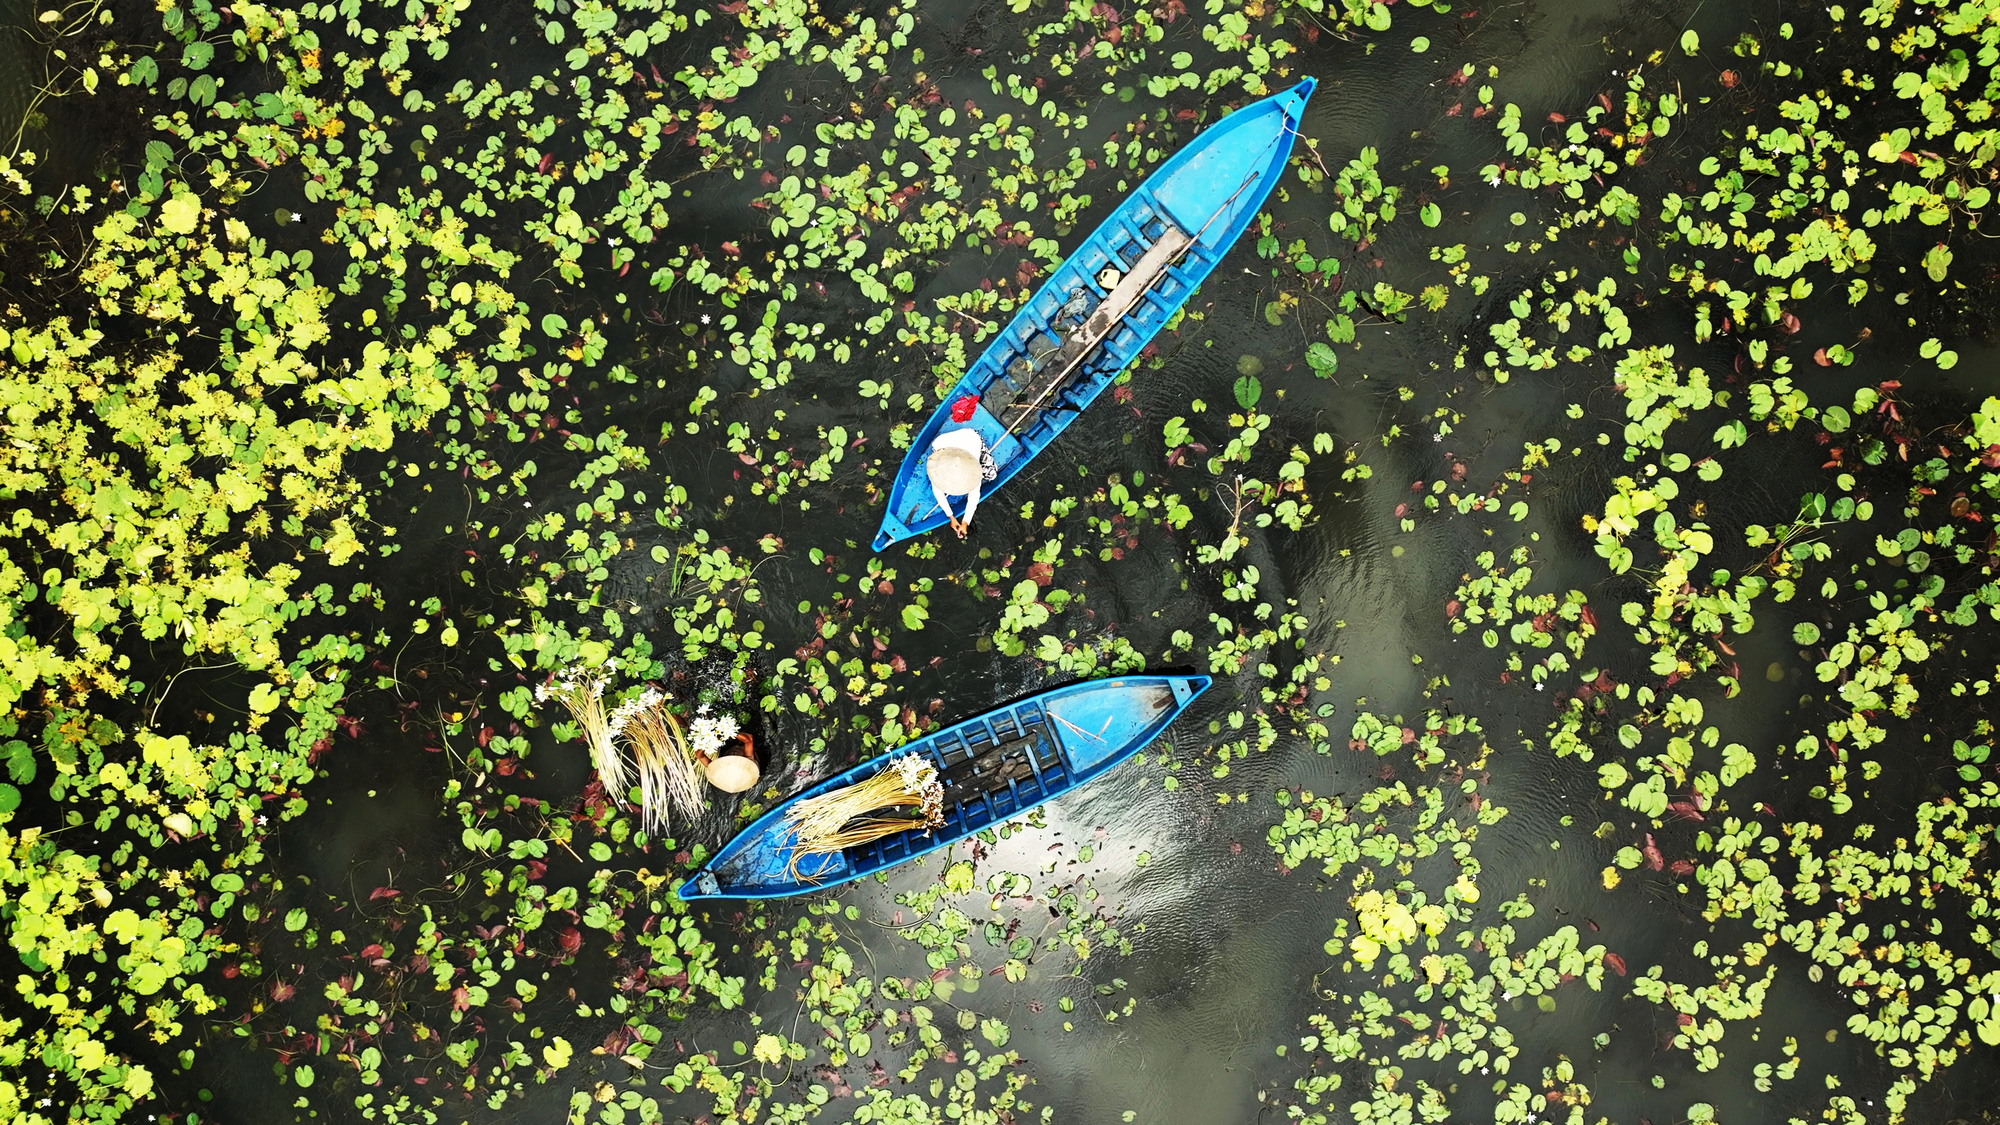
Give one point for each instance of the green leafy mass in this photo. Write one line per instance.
(382, 361)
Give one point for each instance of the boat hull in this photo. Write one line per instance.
(1209, 193)
(995, 766)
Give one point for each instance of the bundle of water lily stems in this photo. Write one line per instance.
(582, 692)
(864, 811)
(665, 757)
(668, 771)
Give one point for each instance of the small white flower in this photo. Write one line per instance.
(1495, 181)
(704, 318)
(262, 820)
(916, 772)
(708, 732)
(1437, 437)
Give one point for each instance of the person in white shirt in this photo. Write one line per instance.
(956, 468)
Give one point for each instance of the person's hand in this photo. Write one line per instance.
(958, 526)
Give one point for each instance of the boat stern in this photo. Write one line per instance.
(765, 869)
(702, 884)
(1187, 687)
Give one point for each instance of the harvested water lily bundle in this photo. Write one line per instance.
(669, 776)
(865, 811)
(582, 691)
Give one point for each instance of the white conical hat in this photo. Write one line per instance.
(733, 773)
(954, 469)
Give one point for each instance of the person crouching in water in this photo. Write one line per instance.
(958, 464)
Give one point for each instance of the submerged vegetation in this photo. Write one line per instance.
(396, 366)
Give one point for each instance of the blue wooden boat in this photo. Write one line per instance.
(996, 766)
(1078, 332)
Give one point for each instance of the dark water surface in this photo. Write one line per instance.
(1227, 958)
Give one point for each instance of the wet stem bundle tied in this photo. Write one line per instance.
(665, 760)
(582, 692)
(847, 818)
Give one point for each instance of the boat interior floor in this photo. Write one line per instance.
(1015, 760)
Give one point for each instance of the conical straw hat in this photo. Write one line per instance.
(733, 773)
(954, 470)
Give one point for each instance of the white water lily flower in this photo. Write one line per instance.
(920, 779)
(709, 732)
(631, 708)
(916, 772)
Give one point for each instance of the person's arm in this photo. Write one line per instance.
(944, 502)
(971, 500)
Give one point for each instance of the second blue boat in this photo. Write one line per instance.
(992, 767)
(1102, 305)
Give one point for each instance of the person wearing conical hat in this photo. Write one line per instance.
(734, 771)
(956, 466)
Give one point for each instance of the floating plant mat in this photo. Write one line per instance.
(1587, 499)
